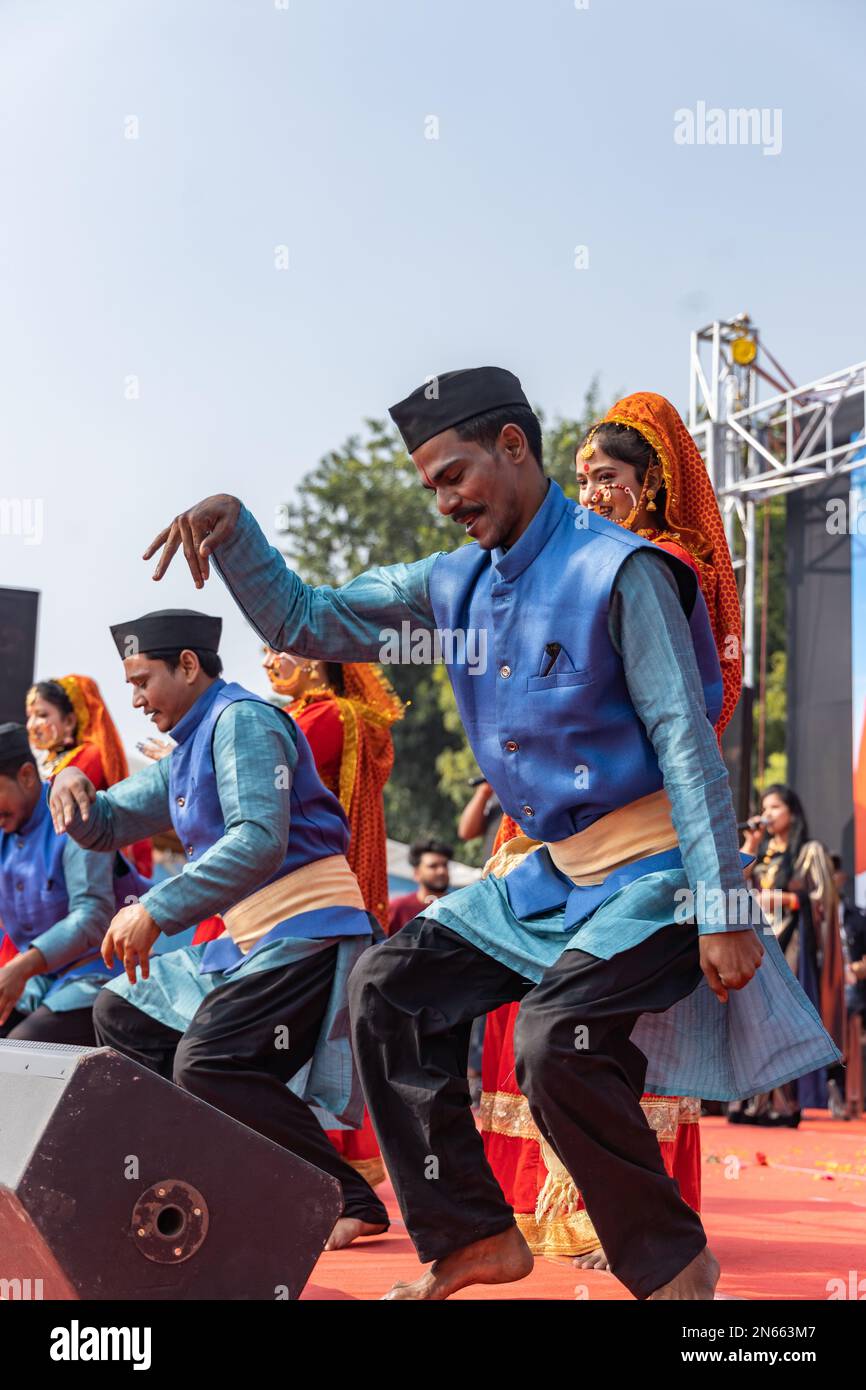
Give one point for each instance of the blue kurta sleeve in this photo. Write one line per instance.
(349, 623)
(91, 907)
(254, 756)
(130, 810)
(649, 629)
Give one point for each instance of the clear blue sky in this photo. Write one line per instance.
(305, 126)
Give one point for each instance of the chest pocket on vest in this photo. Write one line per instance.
(557, 679)
(556, 669)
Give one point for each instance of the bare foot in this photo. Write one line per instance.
(593, 1259)
(500, 1259)
(349, 1228)
(697, 1282)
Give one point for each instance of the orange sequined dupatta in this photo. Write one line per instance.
(691, 520)
(367, 708)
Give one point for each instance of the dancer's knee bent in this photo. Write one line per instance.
(111, 1019)
(543, 1043)
(371, 988)
(191, 1069)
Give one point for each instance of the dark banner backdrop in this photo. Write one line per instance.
(819, 666)
(19, 610)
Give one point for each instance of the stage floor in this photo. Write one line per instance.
(790, 1222)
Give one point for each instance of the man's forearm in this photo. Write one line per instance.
(31, 962)
(74, 937)
(324, 623)
(130, 810)
(254, 759)
(229, 871)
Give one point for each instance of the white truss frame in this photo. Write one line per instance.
(756, 448)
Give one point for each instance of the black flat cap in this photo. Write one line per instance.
(452, 399)
(169, 630)
(14, 743)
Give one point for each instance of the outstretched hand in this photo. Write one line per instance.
(129, 939)
(200, 530)
(13, 978)
(155, 748)
(72, 794)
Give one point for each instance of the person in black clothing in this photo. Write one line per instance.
(853, 920)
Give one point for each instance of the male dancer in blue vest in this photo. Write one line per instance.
(592, 720)
(56, 902)
(234, 1020)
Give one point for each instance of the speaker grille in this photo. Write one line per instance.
(69, 1048)
(41, 1058)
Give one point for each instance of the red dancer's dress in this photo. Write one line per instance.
(350, 736)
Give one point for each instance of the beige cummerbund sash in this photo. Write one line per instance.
(327, 882)
(630, 832)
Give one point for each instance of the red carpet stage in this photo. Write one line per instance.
(785, 1212)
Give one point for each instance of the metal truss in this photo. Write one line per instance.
(757, 447)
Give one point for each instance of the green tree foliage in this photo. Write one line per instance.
(775, 756)
(362, 505)
(775, 759)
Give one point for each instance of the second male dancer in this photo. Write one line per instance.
(233, 1020)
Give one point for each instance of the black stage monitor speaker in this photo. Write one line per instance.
(19, 609)
(116, 1184)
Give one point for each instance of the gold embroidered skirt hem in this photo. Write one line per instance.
(571, 1233)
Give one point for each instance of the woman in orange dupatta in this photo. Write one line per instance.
(346, 713)
(68, 722)
(641, 468)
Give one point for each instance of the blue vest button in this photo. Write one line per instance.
(528, 811)
(181, 801)
(189, 849)
(505, 672)
(511, 746)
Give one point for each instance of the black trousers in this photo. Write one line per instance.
(413, 1000)
(73, 1026)
(230, 1057)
